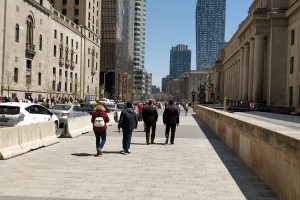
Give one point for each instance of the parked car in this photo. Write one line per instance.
(65, 111)
(106, 101)
(17, 114)
(115, 107)
(90, 107)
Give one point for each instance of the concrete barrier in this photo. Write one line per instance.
(111, 119)
(75, 127)
(117, 116)
(18, 140)
(271, 151)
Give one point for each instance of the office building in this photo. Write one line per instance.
(164, 83)
(180, 61)
(210, 31)
(117, 47)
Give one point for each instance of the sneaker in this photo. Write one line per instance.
(166, 141)
(99, 151)
(171, 142)
(152, 142)
(125, 153)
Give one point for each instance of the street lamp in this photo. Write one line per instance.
(104, 81)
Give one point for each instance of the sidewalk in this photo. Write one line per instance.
(198, 166)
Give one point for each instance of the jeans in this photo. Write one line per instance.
(126, 139)
(173, 129)
(140, 116)
(148, 132)
(101, 134)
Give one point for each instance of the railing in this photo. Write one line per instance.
(30, 48)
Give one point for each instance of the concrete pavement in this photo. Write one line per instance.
(198, 166)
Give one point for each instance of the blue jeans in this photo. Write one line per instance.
(101, 134)
(140, 116)
(126, 139)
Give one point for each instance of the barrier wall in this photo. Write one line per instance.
(271, 151)
(111, 118)
(117, 116)
(18, 140)
(75, 127)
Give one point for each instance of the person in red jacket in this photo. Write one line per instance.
(100, 132)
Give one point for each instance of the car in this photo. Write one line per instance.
(65, 111)
(106, 101)
(115, 107)
(17, 114)
(90, 107)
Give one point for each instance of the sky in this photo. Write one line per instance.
(172, 22)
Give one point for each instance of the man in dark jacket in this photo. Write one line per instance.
(171, 119)
(150, 116)
(128, 121)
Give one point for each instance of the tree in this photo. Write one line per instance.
(28, 82)
(106, 94)
(9, 79)
(47, 86)
(76, 88)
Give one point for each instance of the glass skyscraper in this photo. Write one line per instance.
(210, 31)
(180, 61)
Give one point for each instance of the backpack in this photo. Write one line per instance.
(99, 122)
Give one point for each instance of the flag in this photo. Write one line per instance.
(184, 63)
(58, 87)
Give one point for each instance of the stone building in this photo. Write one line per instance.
(43, 51)
(260, 61)
(195, 80)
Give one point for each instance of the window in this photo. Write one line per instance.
(76, 11)
(71, 42)
(55, 34)
(41, 2)
(75, 75)
(54, 70)
(64, 2)
(89, 5)
(54, 51)
(76, 45)
(41, 42)
(67, 39)
(76, 2)
(64, 11)
(97, 3)
(17, 33)
(92, 79)
(29, 39)
(93, 9)
(88, 62)
(66, 74)
(291, 97)
(66, 87)
(71, 74)
(89, 15)
(61, 37)
(293, 37)
(71, 87)
(16, 75)
(76, 21)
(88, 89)
(76, 59)
(39, 79)
(59, 72)
(292, 65)
(53, 85)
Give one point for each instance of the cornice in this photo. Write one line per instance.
(38, 6)
(293, 9)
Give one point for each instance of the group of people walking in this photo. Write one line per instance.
(128, 121)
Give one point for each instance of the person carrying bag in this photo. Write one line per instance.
(99, 120)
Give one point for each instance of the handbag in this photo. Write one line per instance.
(99, 122)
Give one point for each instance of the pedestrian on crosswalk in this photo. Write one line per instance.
(150, 116)
(128, 121)
(171, 120)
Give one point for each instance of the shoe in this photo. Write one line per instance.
(166, 141)
(152, 142)
(171, 142)
(147, 143)
(99, 151)
(125, 153)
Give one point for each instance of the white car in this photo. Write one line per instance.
(17, 114)
(106, 101)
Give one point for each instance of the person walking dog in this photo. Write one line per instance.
(150, 116)
(128, 121)
(99, 120)
(171, 119)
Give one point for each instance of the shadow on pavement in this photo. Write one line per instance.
(112, 152)
(149, 144)
(249, 183)
(82, 154)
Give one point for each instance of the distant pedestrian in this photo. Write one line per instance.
(128, 121)
(150, 116)
(99, 120)
(185, 106)
(140, 112)
(171, 119)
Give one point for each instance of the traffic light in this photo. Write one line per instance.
(169, 95)
(153, 94)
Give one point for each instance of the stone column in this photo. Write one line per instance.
(246, 71)
(241, 74)
(258, 70)
(216, 86)
(231, 81)
(237, 80)
(251, 66)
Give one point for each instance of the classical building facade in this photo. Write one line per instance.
(43, 53)
(260, 63)
(173, 90)
(117, 47)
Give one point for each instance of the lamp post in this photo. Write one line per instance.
(104, 81)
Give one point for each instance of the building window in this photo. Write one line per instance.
(64, 12)
(39, 79)
(16, 75)
(66, 74)
(41, 2)
(54, 51)
(71, 87)
(59, 73)
(88, 89)
(54, 70)
(17, 33)
(89, 5)
(92, 79)
(76, 11)
(64, 2)
(76, 21)
(61, 37)
(97, 4)
(75, 75)
(76, 59)
(292, 65)
(71, 74)
(291, 97)
(76, 2)
(53, 85)
(29, 30)
(71, 42)
(293, 37)
(88, 62)
(76, 45)
(89, 15)
(55, 34)
(67, 40)
(41, 42)
(66, 87)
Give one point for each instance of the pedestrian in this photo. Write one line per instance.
(140, 112)
(128, 121)
(185, 108)
(99, 120)
(150, 116)
(171, 120)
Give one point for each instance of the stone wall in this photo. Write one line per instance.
(271, 151)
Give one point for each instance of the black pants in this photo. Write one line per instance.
(173, 129)
(148, 132)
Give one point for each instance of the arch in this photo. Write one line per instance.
(31, 15)
(30, 26)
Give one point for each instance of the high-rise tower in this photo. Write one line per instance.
(210, 31)
(180, 61)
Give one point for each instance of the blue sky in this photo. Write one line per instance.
(172, 22)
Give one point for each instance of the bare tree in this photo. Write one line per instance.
(76, 88)
(9, 80)
(47, 86)
(106, 94)
(28, 82)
